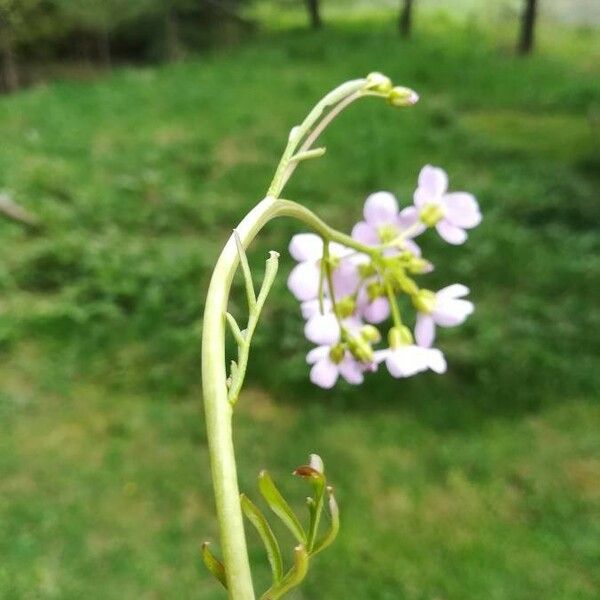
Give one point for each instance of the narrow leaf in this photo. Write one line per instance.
(255, 516)
(293, 577)
(213, 564)
(235, 329)
(279, 506)
(334, 527)
(246, 270)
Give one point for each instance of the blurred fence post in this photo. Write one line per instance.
(314, 13)
(526, 39)
(405, 20)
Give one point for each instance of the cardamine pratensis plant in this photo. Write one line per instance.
(347, 284)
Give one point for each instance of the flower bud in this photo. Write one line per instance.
(370, 333)
(375, 290)
(399, 336)
(360, 349)
(418, 265)
(346, 307)
(337, 352)
(424, 301)
(378, 82)
(408, 286)
(402, 96)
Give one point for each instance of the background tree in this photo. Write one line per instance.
(314, 13)
(405, 20)
(526, 39)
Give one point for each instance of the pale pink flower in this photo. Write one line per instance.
(374, 310)
(383, 223)
(325, 371)
(451, 213)
(303, 281)
(447, 309)
(408, 360)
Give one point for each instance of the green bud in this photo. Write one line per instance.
(346, 306)
(375, 290)
(370, 334)
(408, 286)
(378, 82)
(431, 214)
(418, 265)
(402, 96)
(424, 301)
(337, 352)
(366, 270)
(360, 349)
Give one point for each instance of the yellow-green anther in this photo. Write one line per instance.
(399, 336)
(387, 233)
(370, 333)
(431, 214)
(424, 301)
(346, 307)
(337, 352)
(378, 82)
(360, 349)
(402, 96)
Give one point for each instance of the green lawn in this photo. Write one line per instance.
(484, 483)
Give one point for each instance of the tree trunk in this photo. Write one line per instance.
(405, 20)
(9, 72)
(526, 40)
(314, 13)
(172, 37)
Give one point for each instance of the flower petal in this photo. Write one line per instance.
(452, 311)
(451, 233)
(380, 208)
(303, 281)
(345, 279)
(324, 373)
(365, 233)
(318, 353)
(436, 360)
(306, 246)
(408, 217)
(351, 371)
(404, 361)
(425, 330)
(456, 290)
(462, 209)
(322, 329)
(433, 182)
(312, 307)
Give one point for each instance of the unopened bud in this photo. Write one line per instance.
(408, 286)
(378, 82)
(402, 96)
(418, 265)
(360, 349)
(337, 352)
(375, 290)
(346, 307)
(399, 336)
(424, 301)
(370, 333)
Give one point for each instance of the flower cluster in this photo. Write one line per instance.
(347, 289)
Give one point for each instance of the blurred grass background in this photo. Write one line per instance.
(484, 483)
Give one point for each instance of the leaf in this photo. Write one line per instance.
(293, 577)
(255, 516)
(334, 527)
(213, 564)
(246, 270)
(279, 506)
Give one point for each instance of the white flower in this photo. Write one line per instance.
(407, 360)
(446, 308)
(326, 367)
(303, 281)
(451, 213)
(383, 223)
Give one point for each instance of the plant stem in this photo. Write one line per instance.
(217, 408)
